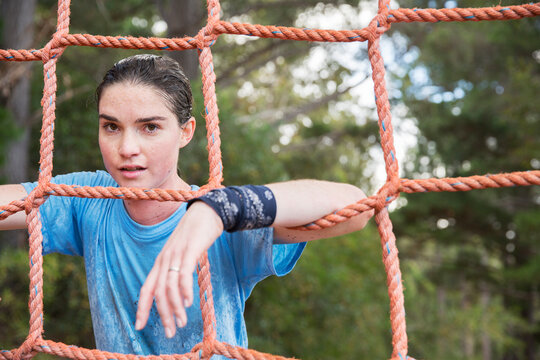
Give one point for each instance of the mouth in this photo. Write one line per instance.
(131, 171)
(132, 168)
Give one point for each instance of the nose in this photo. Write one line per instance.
(129, 145)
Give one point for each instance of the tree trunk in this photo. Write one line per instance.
(485, 299)
(531, 313)
(467, 337)
(441, 304)
(183, 18)
(18, 33)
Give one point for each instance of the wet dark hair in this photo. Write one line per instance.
(162, 73)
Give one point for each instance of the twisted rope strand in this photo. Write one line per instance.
(393, 281)
(207, 306)
(475, 182)
(384, 225)
(35, 303)
(236, 352)
(80, 353)
(291, 33)
(281, 32)
(468, 14)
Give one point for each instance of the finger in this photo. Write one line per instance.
(189, 262)
(165, 313)
(175, 297)
(162, 300)
(186, 286)
(146, 297)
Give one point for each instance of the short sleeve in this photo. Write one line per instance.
(59, 214)
(257, 257)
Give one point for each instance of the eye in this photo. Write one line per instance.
(151, 128)
(110, 127)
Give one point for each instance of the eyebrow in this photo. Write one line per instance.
(140, 120)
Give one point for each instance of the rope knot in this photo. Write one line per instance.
(25, 351)
(205, 37)
(206, 350)
(387, 194)
(35, 198)
(382, 23)
(377, 26)
(53, 49)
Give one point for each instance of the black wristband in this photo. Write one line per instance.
(242, 207)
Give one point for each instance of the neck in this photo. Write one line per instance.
(151, 212)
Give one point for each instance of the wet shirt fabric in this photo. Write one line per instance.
(119, 253)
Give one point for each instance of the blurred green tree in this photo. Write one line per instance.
(472, 89)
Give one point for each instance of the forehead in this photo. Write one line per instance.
(133, 100)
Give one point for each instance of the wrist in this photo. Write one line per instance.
(241, 207)
(201, 210)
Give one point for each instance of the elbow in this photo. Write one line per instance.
(351, 194)
(355, 195)
(357, 192)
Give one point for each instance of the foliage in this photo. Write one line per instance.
(472, 89)
(333, 305)
(65, 299)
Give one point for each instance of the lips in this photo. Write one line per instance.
(132, 171)
(132, 168)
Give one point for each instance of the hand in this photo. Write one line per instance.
(170, 281)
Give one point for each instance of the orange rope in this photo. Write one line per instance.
(206, 37)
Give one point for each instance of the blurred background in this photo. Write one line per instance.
(464, 101)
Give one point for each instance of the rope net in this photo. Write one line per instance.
(206, 37)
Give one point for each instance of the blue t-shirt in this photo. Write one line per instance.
(119, 253)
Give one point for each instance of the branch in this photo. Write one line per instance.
(248, 58)
(11, 73)
(102, 9)
(335, 136)
(9, 78)
(66, 96)
(292, 112)
(266, 5)
(228, 78)
(314, 105)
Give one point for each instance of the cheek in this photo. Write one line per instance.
(173, 146)
(169, 160)
(105, 149)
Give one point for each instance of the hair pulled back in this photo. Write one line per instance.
(162, 73)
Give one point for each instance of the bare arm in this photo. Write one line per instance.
(304, 201)
(9, 193)
(170, 282)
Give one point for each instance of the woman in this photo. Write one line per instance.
(139, 251)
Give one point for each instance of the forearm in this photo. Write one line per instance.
(294, 203)
(300, 202)
(304, 201)
(9, 193)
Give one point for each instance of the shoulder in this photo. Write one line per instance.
(86, 178)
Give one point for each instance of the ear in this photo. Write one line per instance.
(187, 131)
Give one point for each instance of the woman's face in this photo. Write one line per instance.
(139, 137)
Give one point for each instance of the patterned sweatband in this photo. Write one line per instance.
(242, 207)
